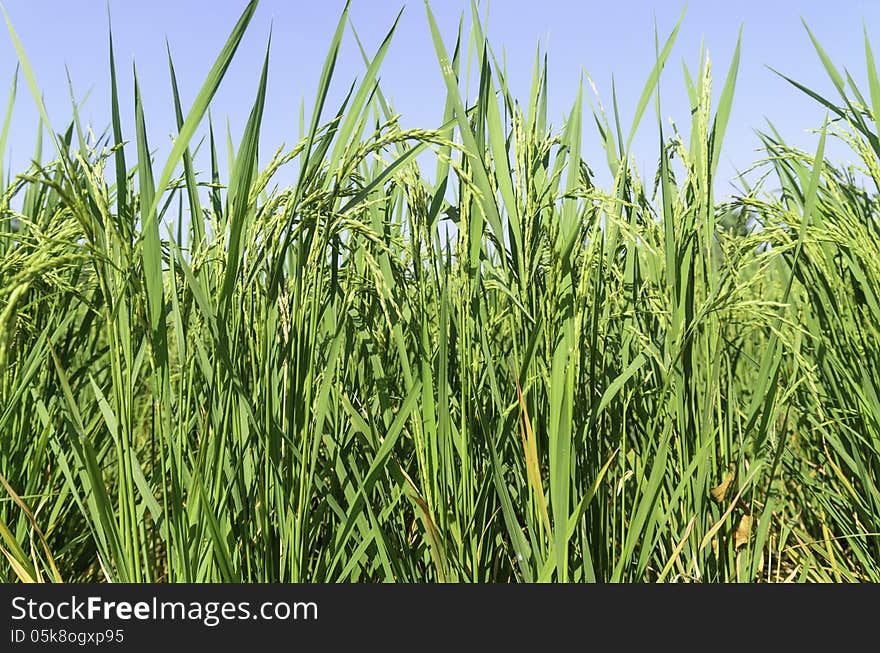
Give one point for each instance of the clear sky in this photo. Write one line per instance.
(601, 38)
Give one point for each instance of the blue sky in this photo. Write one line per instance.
(599, 38)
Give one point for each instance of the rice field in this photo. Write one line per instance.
(444, 354)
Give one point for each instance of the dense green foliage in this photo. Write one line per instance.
(497, 371)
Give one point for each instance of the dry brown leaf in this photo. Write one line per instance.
(720, 491)
(743, 531)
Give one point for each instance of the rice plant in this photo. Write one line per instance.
(483, 369)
